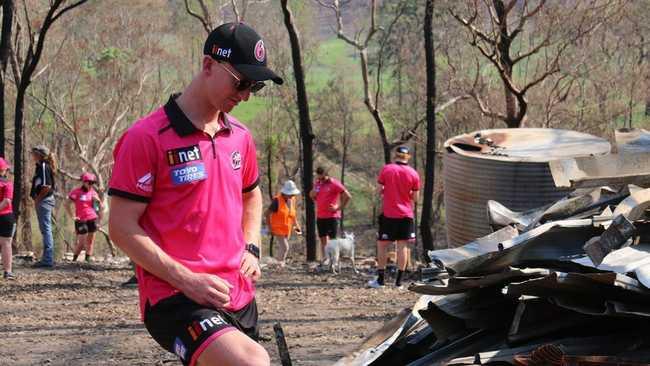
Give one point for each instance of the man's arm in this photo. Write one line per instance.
(125, 231)
(345, 198)
(312, 194)
(251, 225)
(415, 196)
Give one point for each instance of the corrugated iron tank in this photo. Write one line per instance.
(509, 166)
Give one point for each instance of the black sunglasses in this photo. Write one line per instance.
(245, 84)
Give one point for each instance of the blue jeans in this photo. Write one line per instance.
(44, 213)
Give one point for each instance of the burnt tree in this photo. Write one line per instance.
(306, 134)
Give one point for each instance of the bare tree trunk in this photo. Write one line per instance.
(269, 177)
(26, 217)
(306, 134)
(5, 39)
(503, 46)
(343, 163)
(429, 178)
(18, 149)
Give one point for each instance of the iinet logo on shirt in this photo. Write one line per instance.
(183, 155)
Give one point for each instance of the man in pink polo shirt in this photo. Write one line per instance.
(399, 185)
(331, 197)
(186, 208)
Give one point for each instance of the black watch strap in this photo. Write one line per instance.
(253, 249)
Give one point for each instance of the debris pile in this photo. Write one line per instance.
(564, 284)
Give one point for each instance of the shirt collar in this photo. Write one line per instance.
(181, 124)
(400, 163)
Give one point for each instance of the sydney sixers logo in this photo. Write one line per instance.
(235, 160)
(260, 51)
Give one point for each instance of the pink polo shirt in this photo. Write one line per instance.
(83, 203)
(399, 180)
(193, 185)
(6, 191)
(328, 193)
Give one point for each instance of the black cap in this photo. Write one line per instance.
(239, 45)
(403, 150)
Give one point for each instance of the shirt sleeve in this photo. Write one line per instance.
(250, 174)
(73, 195)
(339, 186)
(134, 170)
(416, 181)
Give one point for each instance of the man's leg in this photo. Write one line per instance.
(234, 348)
(323, 243)
(402, 260)
(382, 247)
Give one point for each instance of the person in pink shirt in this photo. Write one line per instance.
(7, 220)
(186, 208)
(87, 212)
(331, 197)
(399, 185)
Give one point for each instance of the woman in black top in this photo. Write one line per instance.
(42, 193)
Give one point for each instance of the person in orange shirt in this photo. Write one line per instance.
(281, 218)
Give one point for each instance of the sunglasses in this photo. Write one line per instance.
(244, 84)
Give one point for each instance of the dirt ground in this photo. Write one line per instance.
(77, 314)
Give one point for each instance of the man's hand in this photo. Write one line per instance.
(298, 230)
(208, 289)
(250, 267)
(334, 207)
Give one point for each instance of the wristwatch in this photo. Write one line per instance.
(253, 249)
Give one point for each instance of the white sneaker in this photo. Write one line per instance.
(375, 284)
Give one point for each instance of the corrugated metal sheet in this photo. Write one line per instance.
(509, 166)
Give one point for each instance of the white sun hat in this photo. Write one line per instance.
(289, 188)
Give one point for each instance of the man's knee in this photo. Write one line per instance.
(256, 356)
(234, 348)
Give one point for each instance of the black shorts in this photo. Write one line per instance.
(181, 326)
(7, 225)
(327, 227)
(395, 229)
(85, 227)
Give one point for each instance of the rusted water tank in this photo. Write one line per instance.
(506, 165)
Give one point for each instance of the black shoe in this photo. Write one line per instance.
(43, 265)
(9, 276)
(131, 282)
